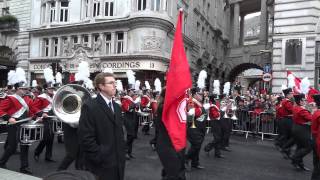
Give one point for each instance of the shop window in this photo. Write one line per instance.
(119, 43)
(96, 8)
(142, 4)
(109, 8)
(108, 43)
(293, 52)
(155, 5)
(64, 11)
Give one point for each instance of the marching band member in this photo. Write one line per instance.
(214, 114)
(145, 104)
(279, 118)
(44, 103)
(14, 108)
(154, 107)
(286, 110)
(130, 117)
(315, 129)
(226, 122)
(195, 135)
(301, 131)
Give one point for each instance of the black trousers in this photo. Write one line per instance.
(302, 137)
(288, 140)
(72, 148)
(216, 143)
(47, 140)
(316, 163)
(226, 126)
(12, 142)
(195, 137)
(280, 138)
(129, 143)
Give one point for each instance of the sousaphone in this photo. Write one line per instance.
(67, 103)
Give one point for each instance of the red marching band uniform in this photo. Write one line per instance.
(14, 106)
(126, 102)
(301, 115)
(145, 102)
(43, 103)
(214, 112)
(286, 107)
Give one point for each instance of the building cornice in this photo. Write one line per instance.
(132, 23)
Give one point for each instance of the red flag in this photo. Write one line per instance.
(297, 81)
(178, 81)
(296, 89)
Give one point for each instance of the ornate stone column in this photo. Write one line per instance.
(113, 41)
(263, 22)
(242, 29)
(236, 24)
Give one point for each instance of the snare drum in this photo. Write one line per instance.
(57, 126)
(30, 132)
(144, 118)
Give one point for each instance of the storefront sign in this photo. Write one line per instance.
(115, 65)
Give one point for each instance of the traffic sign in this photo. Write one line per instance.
(267, 68)
(266, 77)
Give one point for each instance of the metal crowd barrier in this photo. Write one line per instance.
(245, 122)
(267, 124)
(249, 122)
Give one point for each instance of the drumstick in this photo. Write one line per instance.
(20, 121)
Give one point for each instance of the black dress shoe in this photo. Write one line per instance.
(197, 167)
(26, 171)
(36, 157)
(219, 156)
(131, 156)
(50, 160)
(302, 167)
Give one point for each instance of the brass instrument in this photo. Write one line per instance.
(67, 102)
(191, 112)
(234, 109)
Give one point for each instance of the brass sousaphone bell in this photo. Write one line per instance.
(67, 103)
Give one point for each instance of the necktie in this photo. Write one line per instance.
(110, 106)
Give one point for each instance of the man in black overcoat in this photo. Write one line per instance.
(100, 132)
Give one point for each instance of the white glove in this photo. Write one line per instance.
(191, 112)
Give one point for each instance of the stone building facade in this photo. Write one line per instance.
(122, 35)
(295, 41)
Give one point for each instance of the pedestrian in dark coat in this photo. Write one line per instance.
(100, 132)
(172, 161)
